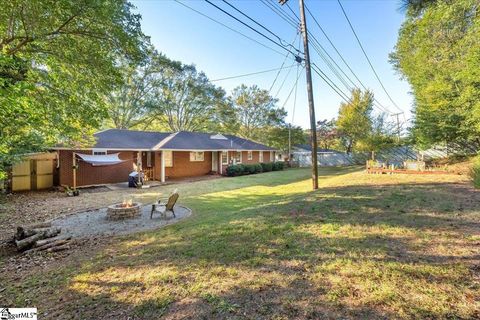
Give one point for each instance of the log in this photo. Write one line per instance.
(43, 242)
(25, 231)
(56, 243)
(30, 241)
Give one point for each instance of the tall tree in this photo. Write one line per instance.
(354, 123)
(255, 109)
(187, 100)
(130, 103)
(278, 136)
(326, 133)
(57, 63)
(438, 52)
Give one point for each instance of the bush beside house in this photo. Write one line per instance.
(243, 169)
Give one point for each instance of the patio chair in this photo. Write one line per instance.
(169, 205)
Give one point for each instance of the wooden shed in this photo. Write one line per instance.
(34, 172)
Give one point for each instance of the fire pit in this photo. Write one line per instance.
(124, 210)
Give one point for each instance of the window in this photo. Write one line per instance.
(224, 157)
(99, 152)
(238, 157)
(260, 156)
(149, 159)
(168, 158)
(250, 155)
(196, 156)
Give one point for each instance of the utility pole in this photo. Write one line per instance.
(311, 105)
(398, 124)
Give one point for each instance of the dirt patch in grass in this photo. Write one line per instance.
(267, 247)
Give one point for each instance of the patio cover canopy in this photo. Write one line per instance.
(101, 160)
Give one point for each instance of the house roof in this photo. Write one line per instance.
(128, 139)
(185, 140)
(120, 139)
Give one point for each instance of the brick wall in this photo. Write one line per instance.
(183, 167)
(90, 175)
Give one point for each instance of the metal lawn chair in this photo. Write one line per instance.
(169, 205)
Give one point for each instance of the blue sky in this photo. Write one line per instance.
(184, 35)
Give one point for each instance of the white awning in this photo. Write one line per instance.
(101, 160)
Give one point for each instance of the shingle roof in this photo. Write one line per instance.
(128, 139)
(183, 140)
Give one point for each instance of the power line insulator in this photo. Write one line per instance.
(298, 59)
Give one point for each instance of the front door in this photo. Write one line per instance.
(214, 161)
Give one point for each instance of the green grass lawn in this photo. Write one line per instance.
(267, 246)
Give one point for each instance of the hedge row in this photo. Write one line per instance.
(242, 169)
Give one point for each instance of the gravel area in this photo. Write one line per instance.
(95, 222)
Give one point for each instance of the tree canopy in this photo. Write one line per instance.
(255, 109)
(186, 99)
(57, 63)
(438, 52)
(354, 123)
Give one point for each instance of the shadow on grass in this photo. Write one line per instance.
(351, 251)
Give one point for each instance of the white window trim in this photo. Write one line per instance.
(249, 155)
(272, 159)
(241, 155)
(260, 156)
(99, 151)
(195, 153)
(221, 157)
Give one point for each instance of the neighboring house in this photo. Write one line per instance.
(159, 155)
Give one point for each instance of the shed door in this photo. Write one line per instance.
(32, 174)
(44, 173)
(21, 176)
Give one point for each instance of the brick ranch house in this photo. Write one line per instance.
(159, 155)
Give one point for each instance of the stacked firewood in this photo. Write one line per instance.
(40, 237)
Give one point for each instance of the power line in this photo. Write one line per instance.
(231, 29)
(380, 106)
(366, 56)
(260, 25)
(295, 18)
(295, 96)
(330, 83)
(248, 26)
(283, 82)
(280, 13)
(289, 8)
(291, 91)
(285, 60)
(254, 73)
(323, 55)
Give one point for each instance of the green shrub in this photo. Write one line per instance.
(266, 167)
(235, 170)
(250, 169)
(258, 168)
(475, 172)
(278, 166)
